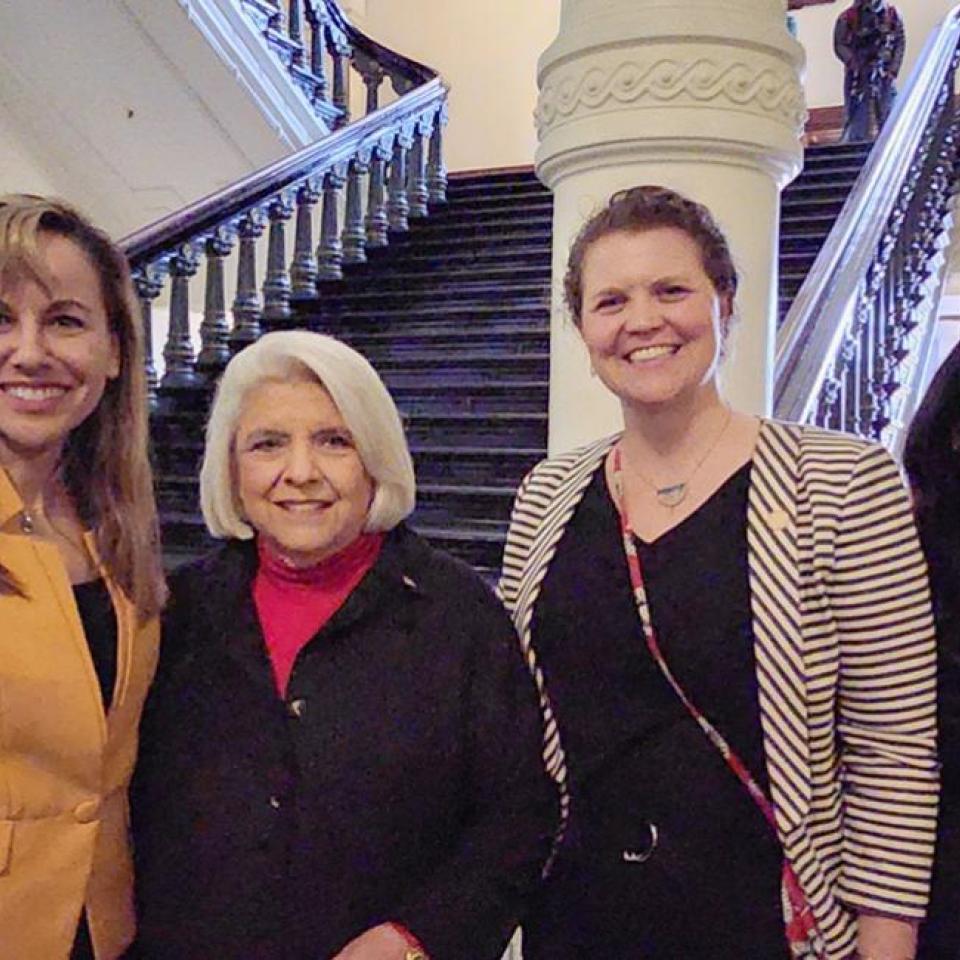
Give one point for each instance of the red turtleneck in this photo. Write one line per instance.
(293, 603)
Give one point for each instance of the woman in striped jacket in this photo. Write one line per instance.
(729, 622)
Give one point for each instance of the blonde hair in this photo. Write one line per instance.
(361, 397)
(105, 466)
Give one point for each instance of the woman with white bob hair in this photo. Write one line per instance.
(341, 754)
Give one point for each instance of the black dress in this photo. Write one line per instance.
(667, 856)
(100, 628)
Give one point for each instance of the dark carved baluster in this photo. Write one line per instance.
(214, 352)
(372, 75)
(276, 286)
(178, 352)
(340, 54)
(276, 22)
(246, 303)
(295, 30)
(303, 270)
(354, 233)
(398, 206)
(317, 50)
(417, 192)
(148, 286)
(436, 171)
(377, 221)
(330, 250)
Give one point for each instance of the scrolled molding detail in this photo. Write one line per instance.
(771, 91)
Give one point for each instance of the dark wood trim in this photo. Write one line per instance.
(484, 171)
(824, 125)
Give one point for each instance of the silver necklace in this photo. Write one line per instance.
(673, 494)
(27, 522)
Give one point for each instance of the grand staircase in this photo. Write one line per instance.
(454, 314)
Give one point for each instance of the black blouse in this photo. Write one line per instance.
(100, 628)
(640, 767)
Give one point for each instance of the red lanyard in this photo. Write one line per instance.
(801, 929)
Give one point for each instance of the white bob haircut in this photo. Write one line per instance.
(361, 397)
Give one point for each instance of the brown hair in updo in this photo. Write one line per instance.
(648, 208)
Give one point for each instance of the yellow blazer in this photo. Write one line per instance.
(65, 764)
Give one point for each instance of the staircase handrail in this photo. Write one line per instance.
(165, 235)
(812, 333)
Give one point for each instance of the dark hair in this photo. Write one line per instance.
(932, 461)
(105, 464)
(647, 208)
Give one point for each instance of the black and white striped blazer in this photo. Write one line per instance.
(845, 653)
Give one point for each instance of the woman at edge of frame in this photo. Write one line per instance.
(81, 582)
(707, 569)
(932, 461)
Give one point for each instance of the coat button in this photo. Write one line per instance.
(297, 707)
(275, 802)
(87, 811)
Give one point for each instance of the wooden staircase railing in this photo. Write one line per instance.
(369, 177)
(317, 44)
(855, 339)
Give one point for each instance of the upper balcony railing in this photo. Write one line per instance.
(852, 347)
(370, 177)
(318, 44)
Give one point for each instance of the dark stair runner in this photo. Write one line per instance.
(455, 317)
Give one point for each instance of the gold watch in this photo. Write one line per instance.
(415, 955)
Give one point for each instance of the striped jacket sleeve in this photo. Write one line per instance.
(886, 708)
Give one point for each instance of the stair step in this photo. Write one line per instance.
(480, 292)
(505, 315)
(492, 227)
(388, 346)
(484, 206)
(467, 276)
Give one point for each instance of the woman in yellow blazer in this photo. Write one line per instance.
(80, 582)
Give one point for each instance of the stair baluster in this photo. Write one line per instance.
(417, 193)
(372, 75)
(148, 286)
(214, 351)
(377, 222)
(303, 269)
(178, 352)
(330, 250)
(398, 207)
(318, 67)
(276, 286)
(354, 233)
(246, 302)
(295, 30)
(436, 171)
(340, 52)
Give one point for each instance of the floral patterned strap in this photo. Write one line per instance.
(801, 930)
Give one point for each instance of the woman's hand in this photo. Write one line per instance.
(885, 938)
(377, 943)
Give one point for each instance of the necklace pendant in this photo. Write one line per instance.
(672, 495)
(26, 522)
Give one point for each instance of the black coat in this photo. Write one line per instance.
(401, 779)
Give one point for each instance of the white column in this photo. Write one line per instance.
(703, 96)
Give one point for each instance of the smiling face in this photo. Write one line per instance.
(57, 352)
(651, 317)
(299, 478)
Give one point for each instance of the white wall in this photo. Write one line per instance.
(487, 52)
(124, 108)
(824, 77)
